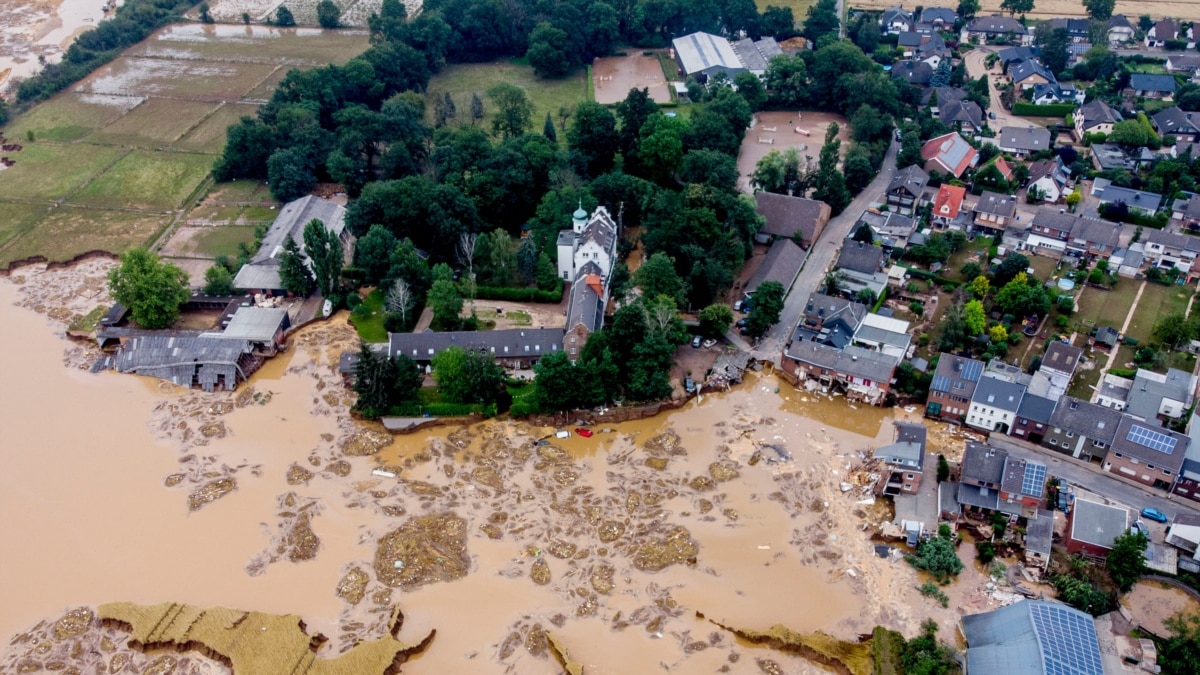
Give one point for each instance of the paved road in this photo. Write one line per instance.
(975, 68)
(1089, 476)
(820, 258)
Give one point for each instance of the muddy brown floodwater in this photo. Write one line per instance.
(116, 488)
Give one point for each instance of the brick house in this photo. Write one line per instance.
(952, 387)
(1146, 454)
(1092, 527)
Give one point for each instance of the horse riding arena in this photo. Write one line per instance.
(614, 76)
(777, 130)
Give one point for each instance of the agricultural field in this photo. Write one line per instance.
(800, 7)
(208, 241)
(141, 134)
(1046, 9)
(547, 95)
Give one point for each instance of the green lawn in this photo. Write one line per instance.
(68, 117)
(215, 241)
(147, 179)
(69, 231)
(1100, 308)
(16, 218)
(46, 170)
(547, 95)
(799, 7)
(1157, 301)
(369, 322)
(1084, 380)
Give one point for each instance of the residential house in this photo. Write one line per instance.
(1110, 157)
(940, 18)
(916, 73)
(1078, 36)
(1174, 121)
(781, 264)
(1081, 429)
(1033, 417)
(994, 404)
(933, 50)
(1050, 231)
(1145, 85)
(1061, 359)
(952, 387)
(1185, 149)
(1187, 65)
(1170, 249)
(994, 211)
(1184, 534)
(1146, 454)
(1092, 527)
(789, 217)
(966, 116)
(1165, 30)
(884, 334)
(1023, 141)
(1029, 73)
(1053, 93)
(1188, 484)
(1022, 487)
(513, 348)
(852, 282)
(829, 320)
(261, 274)
(863, 375)
(906, 188)
(949, 154)
(1187, 212)
(590, 246)
(1095, 117)
(1128, 261)
(1034, 637)
(947, 206)
(1120, 30)
(1011, 54)
(895, 20)
(1039, 540)
(981, 472)
(909, 41)
(1050, 177)
(891, 230)
(1138, 201)
(1113, 391)
(1158, 398)
(857, 256)
(1003, 167)
(995, 28)
(704, 55)
(902, 461)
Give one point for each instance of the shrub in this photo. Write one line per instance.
(985, 551)
(931, 590)
(519, 294)
(1052, 110)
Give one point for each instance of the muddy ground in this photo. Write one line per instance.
(777, 131)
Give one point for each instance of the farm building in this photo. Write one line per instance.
(516, 348)
(704, 55)
(261, 274)
(210, 362)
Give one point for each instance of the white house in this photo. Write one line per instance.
(883, 334)
(994, 404)
(590, 240)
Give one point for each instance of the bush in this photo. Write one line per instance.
(1128, 373)
(931, 590)
(519, 294)
(985, 551)
(1052, 110)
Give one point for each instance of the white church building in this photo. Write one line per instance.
(586, 256)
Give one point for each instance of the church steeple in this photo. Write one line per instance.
(579, 219)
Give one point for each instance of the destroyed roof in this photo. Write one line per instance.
(181, 360)
(1032, 637)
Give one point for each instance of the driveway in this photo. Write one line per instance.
(975, 68)
(820, 259)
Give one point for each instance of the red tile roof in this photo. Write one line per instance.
(948, 201)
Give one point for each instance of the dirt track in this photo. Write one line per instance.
(613, 77)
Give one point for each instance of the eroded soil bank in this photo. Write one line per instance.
(272, 499)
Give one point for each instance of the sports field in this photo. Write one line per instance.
(123, 154)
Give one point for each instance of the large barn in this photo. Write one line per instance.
(703, 55)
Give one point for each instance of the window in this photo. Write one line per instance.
(1166, 472)
(1054, 441)
(1099, 444)
(1070, 434)
(909, 476)
(1118, 454)
(572, 351)
(1150, 467)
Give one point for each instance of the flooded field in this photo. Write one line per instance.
(271, 499)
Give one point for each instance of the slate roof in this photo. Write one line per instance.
(1086, 419)
(981, 497)
(1032, 637)
(1096, 112)
(951, 153)
(852, 361)
(821, 307)
(782, 264)
(1075, 27)
(916, 73)
(949, 201)
(262, 272)
(889, 227)
(1150, 388)
(896, 13)
(1029, 139)
(1062, 357)
(1184, 61)
(1165, 29)
(1100, 233)
(586, 304)
(786, 215)
(944, 95)
(1000, 394)
(996, 204)
(1018, 53)
(1036, 408)
(1175, 121)
(956, 375)
(860, 257)
(945, 14)
(909, 38)
(1049, 217)
(1173, 240)
(1020, 71)
(503, 343)
(912, 179)
(965, 112)
(1148, 82)
(1024, 477)
(755, 55)
(1147, 201)
(982, 463)
(1108, 336)
(1098, 524)
(995, 24)
(1042, 169)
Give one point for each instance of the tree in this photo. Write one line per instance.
(974, 318)
(980, 286)
(1100, 10)
(936, 555)
(446, 303)
(968, 8)
(943, 469)
(1173, 330)
(1013, 265)
(767, 306)
(941, 74)
(514, 112)
(549, 50)
(1023, 297)
(1180, 653)
(998, 334)
(1053, 43)
(373, 252)
(382, 382)
(657, 276)
(751, 88)
(830, 183)
(400, 300)
(467, 376)
(556, 383)
(715, 320)
(324, 251)
(329, 15)
(284, 18)
(787, 80)
(593, 137)
(954, 330)
(205, 17)
(866, 297)
(1131, 133)
(218, 281)
(660, 149)
(1015, 7)
(778, 172)
(290, 173)
(1127, 559)
(822, 20)
(152, 290)
(910, 146)
(548, 129)
(294, 274)
(1073, 199)
(777, 21)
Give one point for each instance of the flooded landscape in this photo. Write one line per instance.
(272, 499)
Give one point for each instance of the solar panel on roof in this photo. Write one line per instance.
(1035, 479)
(1067, 640)
(1151, 439)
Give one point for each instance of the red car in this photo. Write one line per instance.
(586, 433)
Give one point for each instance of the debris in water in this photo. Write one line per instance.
(433, 548)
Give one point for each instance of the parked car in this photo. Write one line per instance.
(741, 323)
(1154, 514)
(708, 343)
(586, 433)
(1140, 528)
(696, 342)
(737, 306)
(991, 115)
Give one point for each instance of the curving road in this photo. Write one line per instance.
(974, 60)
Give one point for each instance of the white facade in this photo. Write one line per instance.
(1039, 242)
(589, 240)
(983, 416)
(1051, 192)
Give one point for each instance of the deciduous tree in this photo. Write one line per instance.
(329, 15)
(152, 290)
(294, 274)
(514, 112)
(766, 308)
(1127, 559)
(467, 376)
(324, 252)
(715, 320)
